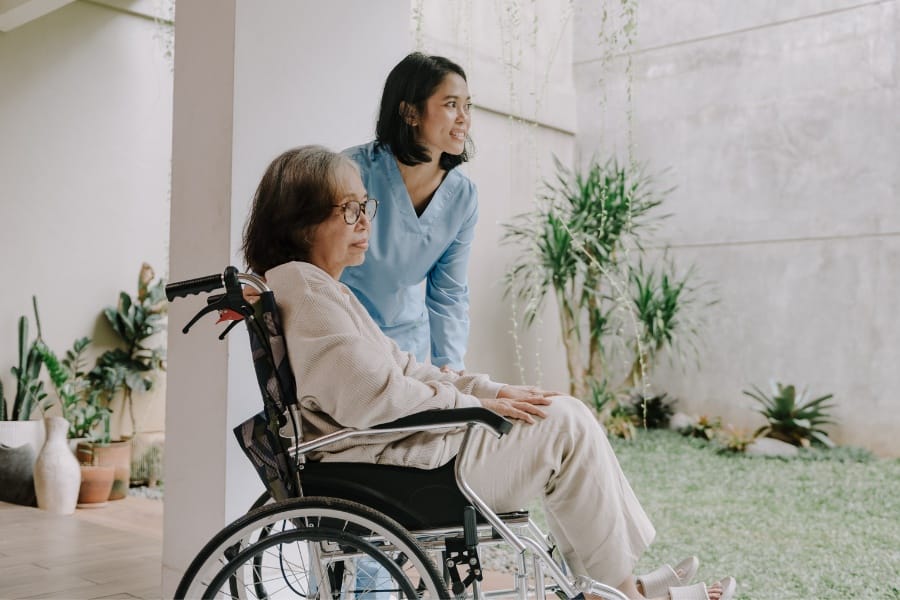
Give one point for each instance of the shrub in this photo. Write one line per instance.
(654, 412)
(704, 428)
(792, 418)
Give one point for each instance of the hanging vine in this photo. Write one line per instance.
(164, 17)
(418, 24)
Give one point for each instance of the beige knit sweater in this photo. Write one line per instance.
(349, 374)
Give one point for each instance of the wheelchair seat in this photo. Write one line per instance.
(416, 498)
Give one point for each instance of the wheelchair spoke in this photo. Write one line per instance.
(312, 548)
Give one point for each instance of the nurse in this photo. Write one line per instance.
(427, 210)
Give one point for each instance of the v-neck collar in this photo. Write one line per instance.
(435, 205)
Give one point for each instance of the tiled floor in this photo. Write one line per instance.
(109, 552)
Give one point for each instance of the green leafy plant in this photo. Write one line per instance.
(735, 439)
(653, 412)
(620, 424)
(704, 428)
(29, 388)
(571, 243)
(668, 308)
(79, 402)
(131, 367)
(600, 395)
(148, 467)
(793, 418)
(579, 244)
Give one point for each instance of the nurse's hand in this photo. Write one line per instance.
(447, 369)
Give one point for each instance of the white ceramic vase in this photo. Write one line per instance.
(57, 475)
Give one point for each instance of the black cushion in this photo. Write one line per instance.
(17, 475)
(416, 498)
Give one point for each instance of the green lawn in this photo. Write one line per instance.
(809, 527)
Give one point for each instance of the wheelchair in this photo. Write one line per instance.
(320, 523)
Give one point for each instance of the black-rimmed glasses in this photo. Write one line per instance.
(354, 208)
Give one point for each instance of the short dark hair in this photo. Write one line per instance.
(413, 81)
(296, 193)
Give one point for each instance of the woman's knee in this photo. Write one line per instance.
(571, 419)
(573, 410)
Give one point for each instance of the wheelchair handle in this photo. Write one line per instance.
(198, 285)
(211, 283)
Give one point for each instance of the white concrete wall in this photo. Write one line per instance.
(85, 142)
(779, 121)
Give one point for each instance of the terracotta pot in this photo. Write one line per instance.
(96, 484)
(114, 454)
(73, 444)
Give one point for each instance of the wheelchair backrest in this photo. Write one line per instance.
(259, 436)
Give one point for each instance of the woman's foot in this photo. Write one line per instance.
(720, 590)
(658, 581)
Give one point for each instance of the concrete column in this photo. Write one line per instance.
(251, 80)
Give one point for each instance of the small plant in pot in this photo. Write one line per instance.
(29, 388)
(22, 437)
(88, 420)
(131, 367)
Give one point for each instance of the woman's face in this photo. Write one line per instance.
(444, 124)
(335, 244)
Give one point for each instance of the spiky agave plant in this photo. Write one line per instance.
(791, 418)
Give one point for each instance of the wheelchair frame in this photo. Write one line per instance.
(238, 550)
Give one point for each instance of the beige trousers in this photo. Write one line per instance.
(567, 461)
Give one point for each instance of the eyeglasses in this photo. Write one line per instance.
(354, 208)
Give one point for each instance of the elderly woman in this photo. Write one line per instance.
(311, 219)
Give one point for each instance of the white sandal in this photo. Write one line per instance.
(656, 583)
(698, 591)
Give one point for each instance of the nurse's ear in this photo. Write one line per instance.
(409, 113)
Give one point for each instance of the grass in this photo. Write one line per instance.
(822, 526)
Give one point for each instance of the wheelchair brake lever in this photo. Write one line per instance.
(232, 299)
(228, 329)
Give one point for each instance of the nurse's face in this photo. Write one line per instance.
(444, 122)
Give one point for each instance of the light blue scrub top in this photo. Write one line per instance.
(405, 249)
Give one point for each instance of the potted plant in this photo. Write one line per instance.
(131, 367)
(21, 437)
(16, 425)
(87, 420)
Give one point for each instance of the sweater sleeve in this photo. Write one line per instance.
(345, 368)
(475, 384)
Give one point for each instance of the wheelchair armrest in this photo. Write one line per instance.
(451, 416)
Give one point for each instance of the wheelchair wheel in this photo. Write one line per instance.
(310, 548)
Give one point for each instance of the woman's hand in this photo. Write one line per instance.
(521, 410)
(526, 393)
